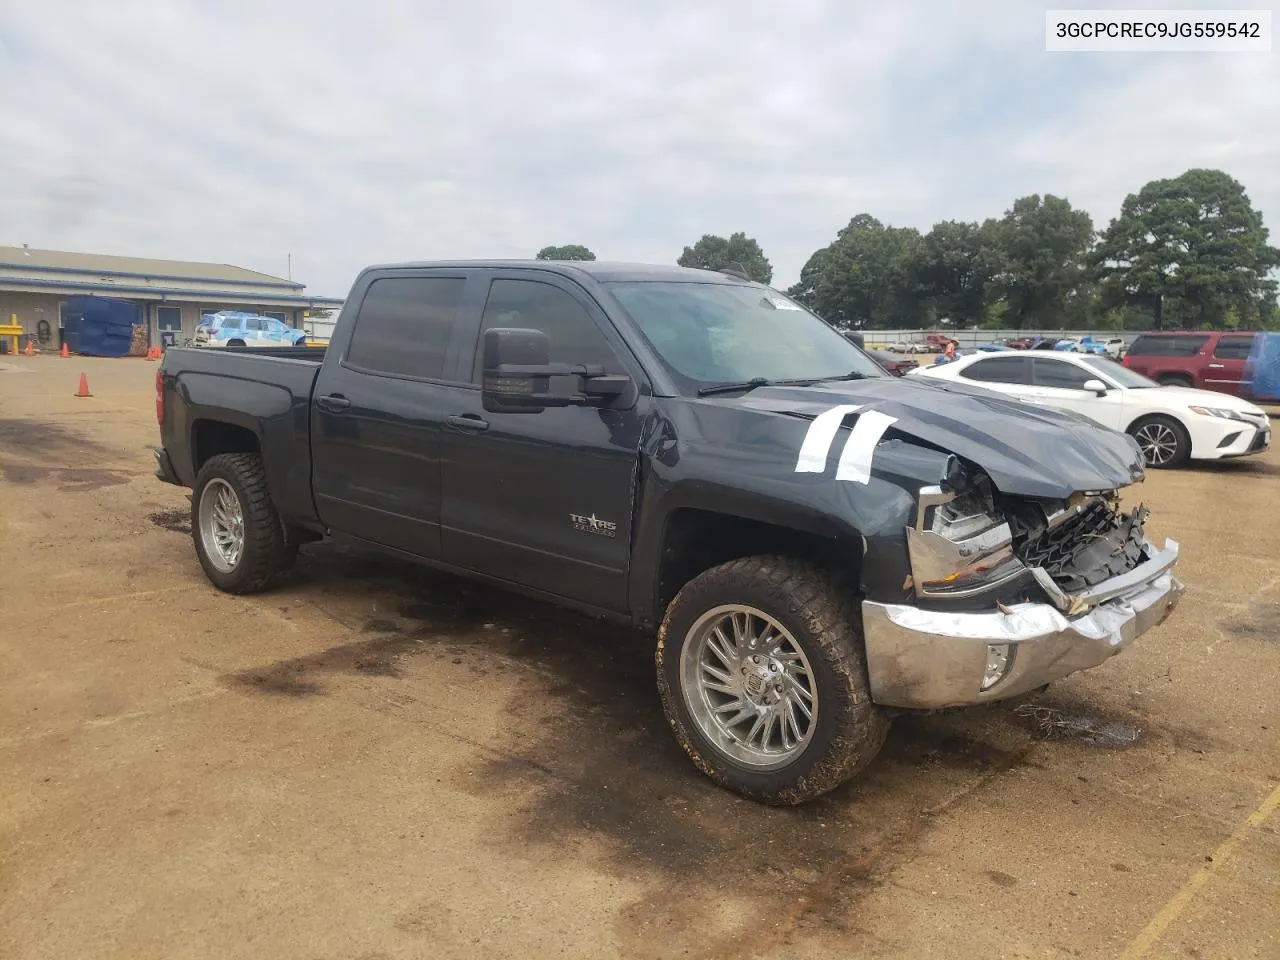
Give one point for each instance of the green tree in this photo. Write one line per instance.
(1193, 252)
(572, 251)
(1039, 258)
(866, 278)
(953, 267)
(716, 253)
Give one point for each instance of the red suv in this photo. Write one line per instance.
(1207, 360)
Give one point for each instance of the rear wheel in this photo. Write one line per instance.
(239, 539)
(235, 343)
(1163, 440)
(1173, 380)
(763, 679)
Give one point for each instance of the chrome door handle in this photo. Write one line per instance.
(468, 421)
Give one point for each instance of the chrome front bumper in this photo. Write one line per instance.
(930, 659)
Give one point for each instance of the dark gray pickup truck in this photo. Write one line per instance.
(817, 544)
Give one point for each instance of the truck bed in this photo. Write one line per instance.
(263, 391)
(314, 354)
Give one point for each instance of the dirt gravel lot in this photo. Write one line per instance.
(376, 762)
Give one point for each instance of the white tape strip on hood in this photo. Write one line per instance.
(822, 433)
(860, 448)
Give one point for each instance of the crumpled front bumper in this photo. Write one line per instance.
(930, 659)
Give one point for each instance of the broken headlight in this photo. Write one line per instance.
(960, 545)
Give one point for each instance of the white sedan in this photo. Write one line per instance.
(1169, 423)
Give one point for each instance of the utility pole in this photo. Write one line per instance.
(290, 274)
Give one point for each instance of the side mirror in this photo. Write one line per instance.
(517, 372)
(1095, 386)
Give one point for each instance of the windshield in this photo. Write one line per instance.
(1119, 373)
(710, 333)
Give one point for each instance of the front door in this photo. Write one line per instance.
(544, 499)
(1224, 370)
(1060, 384)
(377, 413)
(169, 324)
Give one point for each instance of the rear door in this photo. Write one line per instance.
(1004, 374)
(1225, 369)
(380, 403)
(1169, 359)
(544, 499)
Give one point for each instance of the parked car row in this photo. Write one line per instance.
(937, 343)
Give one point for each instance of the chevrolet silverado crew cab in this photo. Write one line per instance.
(816, 544)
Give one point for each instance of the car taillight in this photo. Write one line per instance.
(160, 396)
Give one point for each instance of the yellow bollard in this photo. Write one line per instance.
(12, 329)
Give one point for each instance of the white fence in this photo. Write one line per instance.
(972, 338)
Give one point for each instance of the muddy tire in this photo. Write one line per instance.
(238, 536)
(769, 637)
(1164, 441)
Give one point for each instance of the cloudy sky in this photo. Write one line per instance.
(350, 133)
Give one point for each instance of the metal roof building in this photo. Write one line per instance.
(170, 295)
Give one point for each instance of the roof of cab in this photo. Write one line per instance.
(601, 270)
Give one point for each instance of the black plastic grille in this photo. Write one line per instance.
(1089, 548)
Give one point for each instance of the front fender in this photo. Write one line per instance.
(757, 480)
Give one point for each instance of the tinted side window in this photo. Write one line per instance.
(1187, 346)
(1233, 348)
(1000, 370)
(252, 323)
(404, 326)
(1059, 374)
(531, 304)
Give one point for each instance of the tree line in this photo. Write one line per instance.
(1184, 253)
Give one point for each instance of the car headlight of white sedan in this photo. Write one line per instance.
(1224, 414)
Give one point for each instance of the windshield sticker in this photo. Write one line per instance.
(822, 433)
(779, 304)
(860, 448)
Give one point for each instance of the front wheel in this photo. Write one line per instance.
(763, 678)
(1163, 440)
(239, 539)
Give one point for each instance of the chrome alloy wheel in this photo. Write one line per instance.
(749, 687)
(221, 524)
(1158, 443)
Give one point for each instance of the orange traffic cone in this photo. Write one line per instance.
(65, 352)
(84, 387)
(30, 352)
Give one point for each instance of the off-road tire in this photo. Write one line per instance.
(268, 550)
(1181, 452)
(821, 611)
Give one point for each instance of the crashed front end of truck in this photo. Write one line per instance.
(1010, 593)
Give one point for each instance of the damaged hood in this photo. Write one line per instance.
(1027, 449)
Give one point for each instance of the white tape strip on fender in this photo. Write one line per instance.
(817, 442)
(855, 459)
